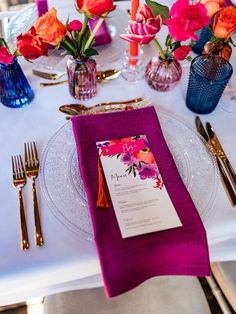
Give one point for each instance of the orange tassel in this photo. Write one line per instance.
(102, 198)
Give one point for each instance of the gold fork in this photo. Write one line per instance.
(19, 181)
(32, 170)
(48, 76)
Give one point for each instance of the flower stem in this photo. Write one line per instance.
(83, 30)
(92, 35)
(161, 51)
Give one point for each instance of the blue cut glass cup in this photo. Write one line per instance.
(15, 91)
(208, 78)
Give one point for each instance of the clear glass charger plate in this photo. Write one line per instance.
(117, 22)
(63, 188)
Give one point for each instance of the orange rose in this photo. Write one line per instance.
(225, 23)
(95, 7)
(212, 6)
(49, 28)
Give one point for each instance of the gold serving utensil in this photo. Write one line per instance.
(32, 170)
(48, 76)
(76, 109)
(227, 184)
(19, 181)
(102, 76)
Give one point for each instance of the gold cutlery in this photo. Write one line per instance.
(52, 84)
(19, 181)
(32, 170)
(227, 184)
(48, 76)
(76, 109)
(220, 153)
(101, 76)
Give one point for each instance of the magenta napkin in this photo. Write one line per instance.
(102, 36)
(42, 6)
(126, 263)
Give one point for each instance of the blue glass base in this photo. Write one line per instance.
(207, 81)
(15, 91)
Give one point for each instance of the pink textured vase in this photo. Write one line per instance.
(82, 77)
(163, 75)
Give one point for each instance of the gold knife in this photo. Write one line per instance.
(221, 154)
(227, 184)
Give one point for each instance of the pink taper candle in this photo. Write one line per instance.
(133, 47)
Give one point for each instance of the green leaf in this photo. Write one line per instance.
(168, 40)
(231, 42)
(85, 38)
(174, 46)
(69, 45)
(189, 58)
(3, 43)
(158, 9)
(90, 52)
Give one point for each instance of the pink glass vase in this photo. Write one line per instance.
(163, 75)
(82, 77)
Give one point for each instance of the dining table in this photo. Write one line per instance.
(68, 259)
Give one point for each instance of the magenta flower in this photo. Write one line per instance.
(148, 171)
(185, 19)
(128, 159)
(75, 25)
(5, 56)
(144, 14)
(144, 28)
(181, 52)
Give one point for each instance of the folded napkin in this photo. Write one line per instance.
(102, 36)
(42, 6)
(126, 263)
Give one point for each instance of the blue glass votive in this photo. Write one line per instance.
(15, 91)
(208, 78)
(204, 35)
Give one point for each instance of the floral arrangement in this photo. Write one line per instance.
(223, 19)
(141, 162)
(75, 37)
(222, 27)
(183, 20)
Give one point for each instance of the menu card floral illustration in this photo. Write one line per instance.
(140, 199)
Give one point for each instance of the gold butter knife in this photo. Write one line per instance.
(220, 153)
(227, 184)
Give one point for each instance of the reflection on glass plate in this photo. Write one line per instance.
(64, 192)
(117, 22)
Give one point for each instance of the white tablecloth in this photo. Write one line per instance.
(67, 261)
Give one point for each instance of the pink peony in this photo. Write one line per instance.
(75, 25)
(185, 19)
(182, 52)
(144, 28)
(5, 56)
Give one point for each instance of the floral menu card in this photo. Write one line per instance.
(140, 199)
